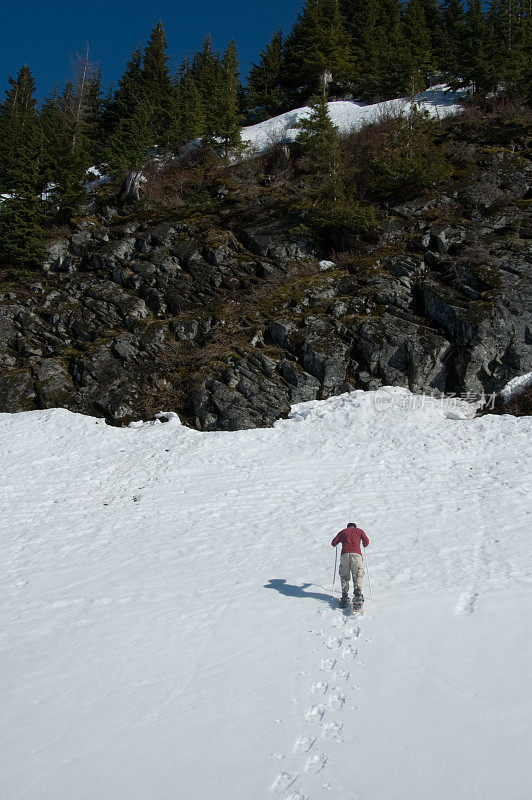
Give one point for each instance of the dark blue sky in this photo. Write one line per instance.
(46, 34)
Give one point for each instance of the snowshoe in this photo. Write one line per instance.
(343, 601)
(358, 600)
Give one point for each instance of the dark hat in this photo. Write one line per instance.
(351, 525)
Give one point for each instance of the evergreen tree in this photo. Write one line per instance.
(53, 136)
(71, 129)
(475, 67)
(362, 25)
(410, 162)
(338, 56)
(264, 84)
(190, 117)
(380, 55)
(394, 65)
(21, 236)
(128, 95)
(320, 142)
(127, 119)
(318, 43)
(417, 37)
(228, 129)
(208, 73)
(510, 32)
(20, 139)
(144, 110)
(129, 145)
(93, 134)
(158, 90)
(453, 39)
(434, 21)
(68, 156)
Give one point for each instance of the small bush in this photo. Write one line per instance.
(395, 157)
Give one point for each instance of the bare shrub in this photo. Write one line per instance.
(503, 105)
(166, 183)
(363, 145)
(520, 405)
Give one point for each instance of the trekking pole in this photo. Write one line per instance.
(367, 570)
(334, 574)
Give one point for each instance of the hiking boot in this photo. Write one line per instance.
(358, 596)
(343, 601)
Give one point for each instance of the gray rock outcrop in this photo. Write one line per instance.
(230, 326)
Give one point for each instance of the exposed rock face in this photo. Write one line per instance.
(231, 327)
(276, 240)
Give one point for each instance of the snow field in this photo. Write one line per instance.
(167, 627)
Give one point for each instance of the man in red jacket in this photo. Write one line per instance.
(351, 563)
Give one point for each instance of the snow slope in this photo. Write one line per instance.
(167, 630)
(347, 115)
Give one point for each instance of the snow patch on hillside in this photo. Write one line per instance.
(348, 115)
(516, 386)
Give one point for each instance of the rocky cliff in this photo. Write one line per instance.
(230, 319)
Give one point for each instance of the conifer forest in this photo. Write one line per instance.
(368, 49)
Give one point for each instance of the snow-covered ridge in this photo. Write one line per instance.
(348, 115)
(166, 622)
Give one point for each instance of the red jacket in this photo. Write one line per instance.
(350, 538)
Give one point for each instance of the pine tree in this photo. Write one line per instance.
(435, 25)
(417, 37)
(338, 55)
(93, 120)
(362, 25)
(511, 38)
(19, 133)
(21, 236)
(318, 43)
(207, 70)
(71, 125)
(70, 157)
(127, 96)
(475, 67)
(394, 66)
(264, 83)
(229, 122)
(410, 162)
(320, 142)
(158, 90)
(128, 147)
(190, 118)
(66, 150)
(453, 39)
(127, 120)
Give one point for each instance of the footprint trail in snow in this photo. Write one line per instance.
(327, 713)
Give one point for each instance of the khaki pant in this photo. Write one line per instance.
(351, 565)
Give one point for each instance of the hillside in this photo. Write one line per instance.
(168, 629)
(227, 292)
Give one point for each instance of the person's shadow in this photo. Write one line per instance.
(291, 590)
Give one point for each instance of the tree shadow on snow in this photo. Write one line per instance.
(291, 590)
